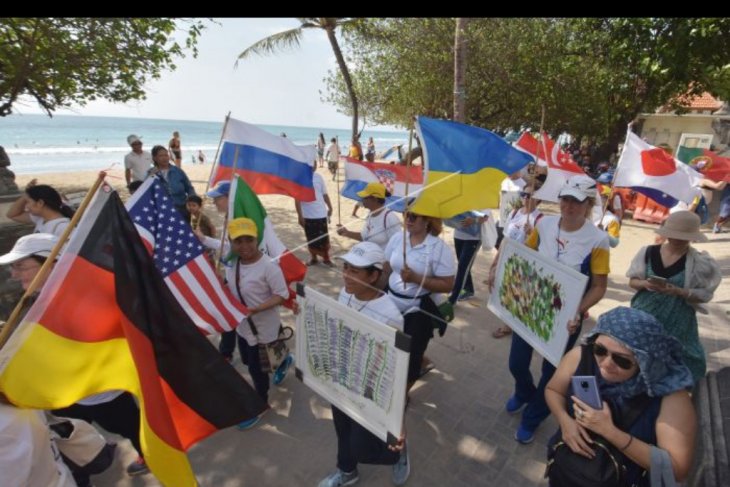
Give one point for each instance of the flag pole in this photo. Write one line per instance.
(42, 274)
(339, 211)
(534, 169)
(217, 151)
(224, 230)
(408, 180)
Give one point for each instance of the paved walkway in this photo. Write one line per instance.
(459, 434)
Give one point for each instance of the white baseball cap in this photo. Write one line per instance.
(40, 244)
(365, 254)
(579, 187)
(132, 139)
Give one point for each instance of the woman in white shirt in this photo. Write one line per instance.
(428, 268)
(381, 223)
(42, 206)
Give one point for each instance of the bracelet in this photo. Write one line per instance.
(631, 438)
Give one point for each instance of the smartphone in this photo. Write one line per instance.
(585, 388)
(657, 281)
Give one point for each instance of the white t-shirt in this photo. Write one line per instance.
(28, 455)
(508, 192)
(312, 210)
(515, 228)
(259, 282)
(382, 309)
(54, 227)
(585, 250)
(140, 164)
(333, 152)
(430, 258)
(381, 227)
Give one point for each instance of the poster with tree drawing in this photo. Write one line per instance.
(536, 297)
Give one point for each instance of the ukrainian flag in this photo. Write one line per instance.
(463, 167)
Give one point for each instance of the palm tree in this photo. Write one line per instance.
(291, 38)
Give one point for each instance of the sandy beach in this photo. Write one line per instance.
(459, 431)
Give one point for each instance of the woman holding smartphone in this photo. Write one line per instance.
(671, 279)
(635, 361)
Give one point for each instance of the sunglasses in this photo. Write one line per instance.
(526, 195)
(623, 362)
(411, 217)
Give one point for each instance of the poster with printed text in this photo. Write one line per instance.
(536, 297)
(353, 361)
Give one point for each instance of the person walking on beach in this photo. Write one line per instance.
(363, 265)
(370, 151)
(320, 149)
(314, 218)
(333, 157)
(175, 148)
(137, 163)
(173, 178)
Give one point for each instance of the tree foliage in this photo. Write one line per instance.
(593, 76)
(61, 62)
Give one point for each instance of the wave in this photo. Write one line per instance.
(89, 150)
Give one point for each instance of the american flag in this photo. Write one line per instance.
(181, 260)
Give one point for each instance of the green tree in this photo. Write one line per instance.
(292, 37)
(59, 62)
(592, 75)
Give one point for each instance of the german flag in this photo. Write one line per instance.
(106, 320)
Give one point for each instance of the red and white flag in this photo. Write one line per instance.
(559, 163)
(654, 172)
(181, 260)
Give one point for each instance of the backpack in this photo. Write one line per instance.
(607, 469)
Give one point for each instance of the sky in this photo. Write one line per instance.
(280, 89)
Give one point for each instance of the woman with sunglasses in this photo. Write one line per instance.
(572, 240)
(428, 268)
(671, 279)
(635, 362)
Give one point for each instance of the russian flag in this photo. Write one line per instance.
(393, 176)
(268, 163)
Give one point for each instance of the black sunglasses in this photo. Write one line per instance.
(623, 362)
(411, 217)
(525, 195)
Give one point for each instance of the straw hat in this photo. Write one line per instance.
(682, 225)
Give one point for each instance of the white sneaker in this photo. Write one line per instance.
(339, 479)
(402, 468)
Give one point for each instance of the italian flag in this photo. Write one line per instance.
(243, 202)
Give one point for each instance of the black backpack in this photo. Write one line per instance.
(568, 469)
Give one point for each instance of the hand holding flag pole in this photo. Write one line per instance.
(45, 269)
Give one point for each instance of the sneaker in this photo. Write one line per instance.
(716, 229)
(138, 467)
(465, 295)
(248, 424)
(339, 479)
(280, 373)
(514, 404)
(524, 436)
(402, 468)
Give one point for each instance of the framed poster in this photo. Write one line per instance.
(353, 361)
(536, 296)
(507, 202)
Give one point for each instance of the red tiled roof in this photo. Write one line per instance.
(705, 101)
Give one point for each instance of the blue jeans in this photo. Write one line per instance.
(520, 356)
(250, 356)
(466, 252)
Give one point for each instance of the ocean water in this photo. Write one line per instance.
(66, 143)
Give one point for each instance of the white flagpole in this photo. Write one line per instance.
(217, 151)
